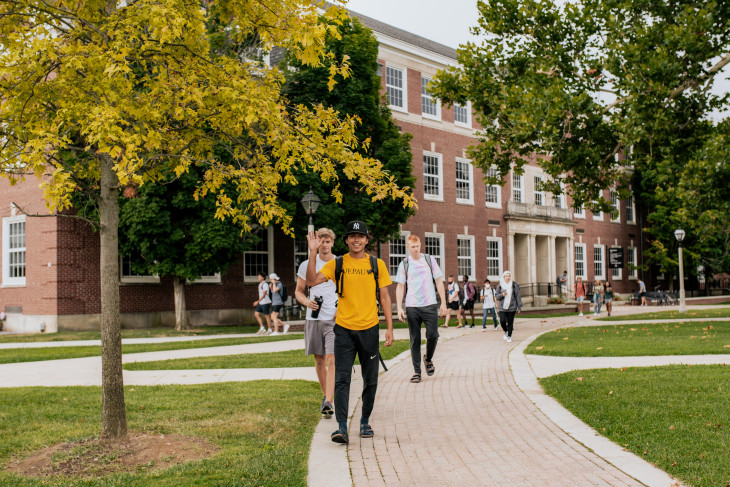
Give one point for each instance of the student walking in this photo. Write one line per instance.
(360, 279)
(597, 297)
(420, 277)
(510, 302)
(489, 303)
(642, 292)
(319, 327)
(470, 295)
(580, 293)
(263, 305)
(277, 288)
(608, 297)
(452, 302)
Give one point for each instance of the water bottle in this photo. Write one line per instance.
(315, 312)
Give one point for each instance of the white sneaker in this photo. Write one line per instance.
(268, 332)
(505, 336)
(580, 314)
(261, 331)
(509, 339)
(274, 334)
(286, 328)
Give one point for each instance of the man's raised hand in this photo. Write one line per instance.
(313, 241)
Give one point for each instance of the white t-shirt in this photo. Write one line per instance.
(488, 297)
(263, 287)
(327, 290)
(453, 292)
(421, 291)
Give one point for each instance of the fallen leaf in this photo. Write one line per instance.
(674, 464)
(672, 428)
(599, 348)
(633, 329)
(726, 346)
(610, 393)
(539, 348)
(579, 378)
(566, 338)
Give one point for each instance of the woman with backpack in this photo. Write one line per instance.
(597, 297)
(489, 304)
(277, 302)
(510, 302)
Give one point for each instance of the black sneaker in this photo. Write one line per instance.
(340, 436)
(430, 369)
(321, 405)
(327, 410)
(366, 431)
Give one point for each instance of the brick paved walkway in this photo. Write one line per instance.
(469, 424)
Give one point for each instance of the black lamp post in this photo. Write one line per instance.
(679, 235)
(310, 202)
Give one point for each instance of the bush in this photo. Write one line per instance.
(558, 300)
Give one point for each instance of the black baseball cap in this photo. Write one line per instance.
(356, 227)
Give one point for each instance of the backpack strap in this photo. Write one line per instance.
(338, 275)
(374, 269)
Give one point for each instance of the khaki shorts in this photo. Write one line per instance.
(319, 337)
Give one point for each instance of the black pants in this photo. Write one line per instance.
(428, 315)
(507, 318)
(366, 345)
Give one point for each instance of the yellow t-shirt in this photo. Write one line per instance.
(357, 308)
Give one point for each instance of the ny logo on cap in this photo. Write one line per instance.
(356, 226)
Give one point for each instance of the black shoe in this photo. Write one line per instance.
(327, 410)
(340, 436)
(366, 431)
(416, 378)
(430, 369)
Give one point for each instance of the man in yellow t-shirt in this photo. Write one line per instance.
(356, 323)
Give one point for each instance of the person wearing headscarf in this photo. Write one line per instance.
(510, 302)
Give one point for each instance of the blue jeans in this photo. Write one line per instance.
(494, 317)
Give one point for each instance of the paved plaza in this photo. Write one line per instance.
(482, 419)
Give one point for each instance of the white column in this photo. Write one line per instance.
(570, 266)
(511, 252)
(532, 258)
(552, 259)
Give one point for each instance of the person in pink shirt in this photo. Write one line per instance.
(580, 293)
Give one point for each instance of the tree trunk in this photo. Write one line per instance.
(114, 415)
(181, 316)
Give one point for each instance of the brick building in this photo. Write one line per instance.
(50, 265)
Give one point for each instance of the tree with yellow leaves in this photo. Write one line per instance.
(122, 92)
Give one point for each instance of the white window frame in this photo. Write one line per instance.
(633, 273)
(135, 278)
(584, 274)
(440, 257)
(519, 179)
(559, 199)
(499, 257)
(427, 97)
(470, 181)
(597, 216)
(209, 279)
(602, 262)
(404, 236)
(472, 264)
(616, 274)
(631, 210)
(7, 280)
(497, 189)
(615, 202)
(403, 89)
(579, 212)
(270, 254)
(440, 158)
(303, 254)
(536, 193)
(466, 124)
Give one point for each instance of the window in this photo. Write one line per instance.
(214, 278)
(579, 212)
(539, 194)
(580, 261)
(465, 257)
(630, 215)
(631, 263)
(398, 251)
(433, 245)
(598, 262)
(394, 87)
(432, 181)
(616, 274)
(301, 253)
(462, 115)
(259, 258)
(517, 193)
(494, 191)
(597, 214)
(13, 262)
(494, 257)
(464, 186)
(616, 213)
(130, 276)
(430, 108)
(559, 199)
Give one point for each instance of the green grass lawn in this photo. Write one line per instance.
(291, 358)
(630, 340)
(14, 355)
(144, 333)
(719, 312)
(263, 428)
(676, 417)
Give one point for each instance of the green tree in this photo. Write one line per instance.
(359, 95)
(134, 90)
(581, 84)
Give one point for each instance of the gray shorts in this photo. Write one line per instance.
(319, 337)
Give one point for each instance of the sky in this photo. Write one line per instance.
(448, 23)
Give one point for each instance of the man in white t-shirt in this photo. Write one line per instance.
(422, 277)
(452, 301)
(319, 334)
(263, 305)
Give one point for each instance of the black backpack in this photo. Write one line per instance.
(282, 292)
(373, 270)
